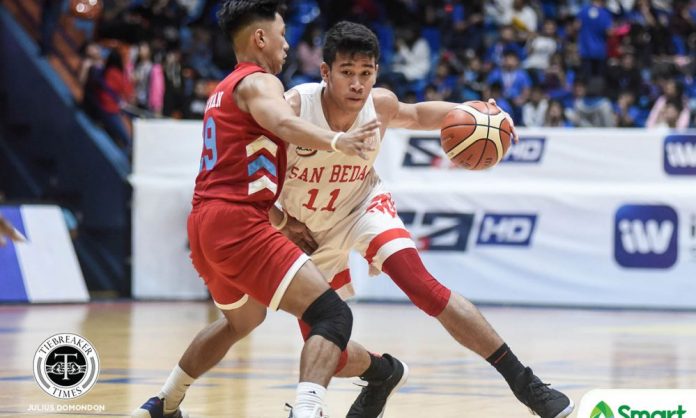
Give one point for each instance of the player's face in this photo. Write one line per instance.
(350, 79)
(275, 46)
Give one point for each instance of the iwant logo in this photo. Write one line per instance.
(646, 236)
(680, 154)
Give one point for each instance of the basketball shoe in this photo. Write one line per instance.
(154, 408)
(373, 398)
(540, 398)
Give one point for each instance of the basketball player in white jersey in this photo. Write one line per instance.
(334, 203)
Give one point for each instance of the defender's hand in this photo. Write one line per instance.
(515, 135)
(6, 229)
(298, 233)
(359, 141)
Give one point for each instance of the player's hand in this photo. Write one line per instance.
(360, 141)
(6, 229)
(515, 135)
(298, 233)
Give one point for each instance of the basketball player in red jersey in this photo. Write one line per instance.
(333, 204)
(248, 265)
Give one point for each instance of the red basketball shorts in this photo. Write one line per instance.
(239, 254)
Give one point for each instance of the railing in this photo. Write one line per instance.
(67, 40)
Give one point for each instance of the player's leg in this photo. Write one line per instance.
(309, 298)
(206, 350)
(384, 372)
(355, 360)
(213, 342)
(459, 316)
(468, 326)
(387, 246)
(255, 258)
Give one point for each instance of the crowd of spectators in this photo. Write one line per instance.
(562, 63)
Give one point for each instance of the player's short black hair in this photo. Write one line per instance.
(234, 15)
(350, 38)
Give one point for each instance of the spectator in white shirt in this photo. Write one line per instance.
(540, 48)
(534, 111)
(412, 58)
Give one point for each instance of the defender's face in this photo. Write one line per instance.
(350, 79)
(275, 45)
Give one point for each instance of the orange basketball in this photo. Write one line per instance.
(475, 135)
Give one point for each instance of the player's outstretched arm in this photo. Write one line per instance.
(261, 95)
(7, 230)
(419, 116)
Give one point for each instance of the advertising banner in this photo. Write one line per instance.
(552, 246)
(573, 217)
(44, 268)
(166, 161)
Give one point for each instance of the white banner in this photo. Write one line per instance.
(594, 155)
(571, 217)
(44, 268)
(577, 246)
(165, 165)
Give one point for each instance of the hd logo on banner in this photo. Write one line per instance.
(679, 156)
(450, 231)
(638, 403)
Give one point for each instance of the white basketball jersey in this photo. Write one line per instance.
(322, 187)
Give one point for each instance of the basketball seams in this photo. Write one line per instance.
(465, 143)
(498, 121)
(488, 132)
(462, 124)
(471, 122)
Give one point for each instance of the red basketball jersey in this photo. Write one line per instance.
(241, 161)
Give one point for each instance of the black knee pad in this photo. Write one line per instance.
(330, 317)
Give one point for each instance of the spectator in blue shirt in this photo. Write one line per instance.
(595, 22)
(514, 80)
(495, 91)
(628, 114)
(506, 42)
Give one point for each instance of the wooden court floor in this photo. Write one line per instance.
(138, 343)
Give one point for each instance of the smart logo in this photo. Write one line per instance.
(439, 231)
(638, 403)
(646, 236)
(529, 150)
(680, 155)
(507, 229)
(602, 410)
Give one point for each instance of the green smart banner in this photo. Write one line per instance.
(638, 403)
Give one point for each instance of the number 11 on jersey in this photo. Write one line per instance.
(313, 193)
